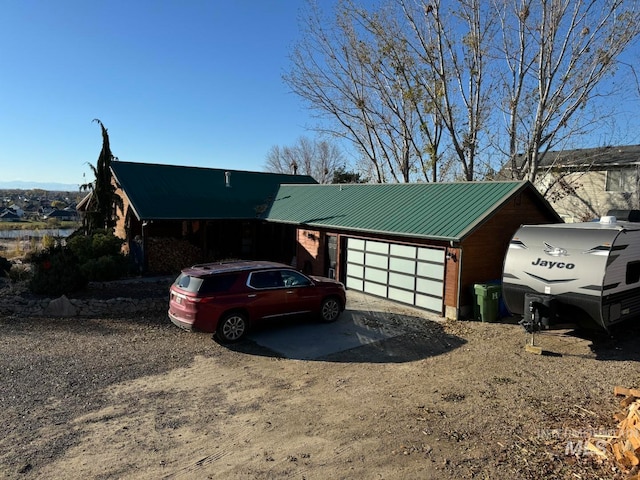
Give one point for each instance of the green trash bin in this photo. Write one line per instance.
(487, 302)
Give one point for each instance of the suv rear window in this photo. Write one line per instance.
(206, 285)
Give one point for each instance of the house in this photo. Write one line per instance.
(66, 215)
(585, 184)
(174, 216)
(17, 210)
(9, 216)
(423, 244)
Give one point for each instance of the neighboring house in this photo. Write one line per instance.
(174, 215)
(17, 210)
(585, 184)
(9, 216)
(423, 244)
(63, 215)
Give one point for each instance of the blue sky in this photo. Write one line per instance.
(195, 82)
(184, 82)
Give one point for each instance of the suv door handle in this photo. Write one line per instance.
(252, 295)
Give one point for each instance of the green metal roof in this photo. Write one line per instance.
(169, 192)
(445, 211)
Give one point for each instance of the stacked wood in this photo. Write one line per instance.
(170, 255)
(625, 446)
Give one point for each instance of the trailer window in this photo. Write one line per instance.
(633, 272)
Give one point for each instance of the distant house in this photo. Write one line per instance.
(586, 183)
(9, 216)
(63, 215)
(17, 210)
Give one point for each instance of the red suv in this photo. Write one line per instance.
(226, 297)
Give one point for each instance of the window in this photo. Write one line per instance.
(217, 284)
(623, 180)
(188, 283)
(633, 272)
(270, 279)
(294, 279)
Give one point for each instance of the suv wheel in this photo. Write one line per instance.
(330, 309)
(232, 327)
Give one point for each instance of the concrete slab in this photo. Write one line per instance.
(313, 340)
(365, 322)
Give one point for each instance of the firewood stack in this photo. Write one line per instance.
(625, 446)
(169, 255)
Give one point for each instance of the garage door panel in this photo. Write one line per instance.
(355, 284)
(376, 275)
(402, 265)
(377, 247)
(356, 244)
(430, 270)
(404, 251)
(431, 287)
(403, 296)
(375, 289)
(377, 261)
(356, 256)
(407, 282)
(429, 303)
(356, 271)
(431, 255)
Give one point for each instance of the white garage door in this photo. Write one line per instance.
(404, 273)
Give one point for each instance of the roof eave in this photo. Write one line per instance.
(366, 230)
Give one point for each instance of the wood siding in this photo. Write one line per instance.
(484, 250)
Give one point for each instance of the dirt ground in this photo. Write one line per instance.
(138, 398)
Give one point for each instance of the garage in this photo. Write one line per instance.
(423, 245)
(409, 274)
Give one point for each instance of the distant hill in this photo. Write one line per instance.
(49, 186)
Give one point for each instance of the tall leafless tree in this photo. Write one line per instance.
(557, 56)
(351, 71)
(415, 84)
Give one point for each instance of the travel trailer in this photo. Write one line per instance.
(580, 273)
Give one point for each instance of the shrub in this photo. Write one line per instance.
(105, 268)
(95, 246)
(56, 271)
(99, 255)
(19, 273)
(48, 241)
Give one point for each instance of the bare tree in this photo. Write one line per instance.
(416, 84)
(355, 73)
(319, 159)
(451, 41)
(557, 55)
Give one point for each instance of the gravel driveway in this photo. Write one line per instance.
(139, 398)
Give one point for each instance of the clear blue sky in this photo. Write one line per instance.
(184, 82)
(195, 82)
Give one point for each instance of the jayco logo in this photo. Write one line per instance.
(543, 263)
